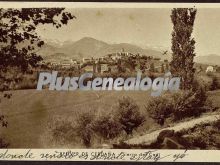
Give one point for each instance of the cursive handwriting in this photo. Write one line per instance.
(93, 155)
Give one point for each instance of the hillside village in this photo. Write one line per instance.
(92, 55)
(122, 61)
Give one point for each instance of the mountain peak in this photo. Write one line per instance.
(90, 42)
(89, 39)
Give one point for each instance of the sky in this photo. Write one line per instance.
(144, 27)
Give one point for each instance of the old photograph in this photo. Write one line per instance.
(110, 78)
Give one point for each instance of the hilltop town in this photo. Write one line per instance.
(122, 61)
(91, 55)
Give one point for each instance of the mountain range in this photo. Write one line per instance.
(88, 47)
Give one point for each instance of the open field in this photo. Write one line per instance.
(29, 111)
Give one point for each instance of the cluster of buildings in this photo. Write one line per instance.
(107, 63)
(66, 63)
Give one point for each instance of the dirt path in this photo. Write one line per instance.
(151, 137)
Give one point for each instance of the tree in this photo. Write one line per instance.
(167, 67)
(162, 68)
(85, 127)
(107, 127)
(152, 67)
(98, 65)
(19, 39)
(119, 66)
(179, 105)
(142, 65)
(128, 114)
(183, 45)
(131, 62)
(18, 36)
(215, 83)
(94, 67)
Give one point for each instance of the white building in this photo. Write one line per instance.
(116, 56)
(54, 63)
(86, 60)
(88, 68)
(74, 61)
(67, 63)
(104, 68)
(210, 69)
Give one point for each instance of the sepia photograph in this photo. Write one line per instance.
(109, 77)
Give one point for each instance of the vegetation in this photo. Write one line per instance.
(178, 105)
(87, 126)
(215, 83)
(18, 34)
(183, 45)
(202, 136)
(90, 126)
(3, 144)
(162, 68)
(62, 131)
(19, 39)
(4, 123)
(84, 127)
(128, 115)
(152, 67)
(107, 127)
(160, 108)
(189, 103)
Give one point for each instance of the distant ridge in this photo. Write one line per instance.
(211, 59)
(90, 47)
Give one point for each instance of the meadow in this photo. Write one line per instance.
(29, 111)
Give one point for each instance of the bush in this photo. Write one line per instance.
(3, 144)
(216, 124)
(107, 127)
(200, 141)
(215, 83)
(178, 105)
(27, 84)
(160, 108)
(128, 114)
(62, 130)
(85, 127)
(188, 103)
(88, 125)
(69, 131)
